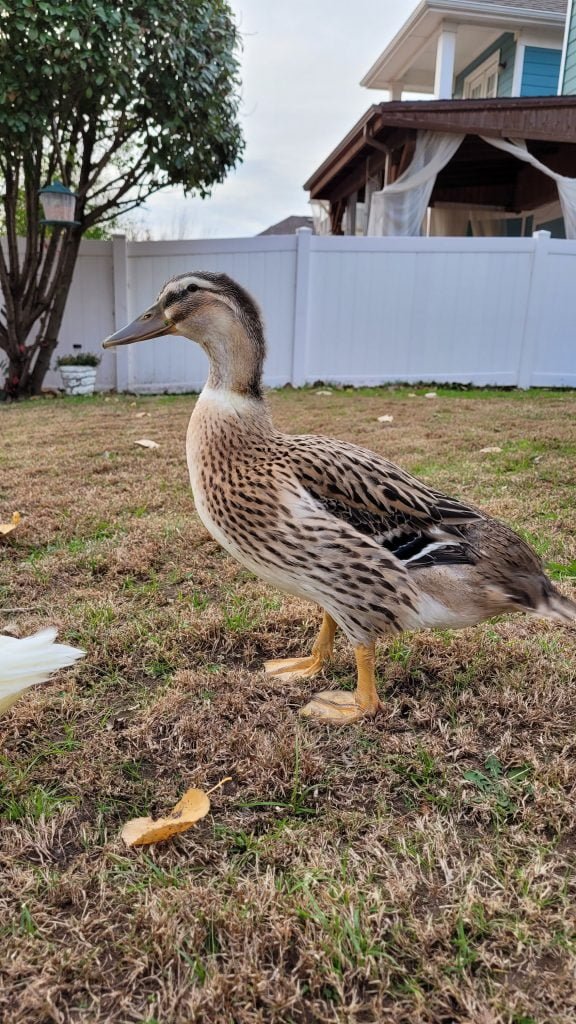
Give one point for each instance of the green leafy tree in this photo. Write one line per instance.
(116, 100)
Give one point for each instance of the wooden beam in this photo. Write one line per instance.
(344, 187)
(551, 118)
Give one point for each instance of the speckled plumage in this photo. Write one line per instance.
(376, 548)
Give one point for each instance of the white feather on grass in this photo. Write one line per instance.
(30, 660)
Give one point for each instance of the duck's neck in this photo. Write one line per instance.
(236, 359)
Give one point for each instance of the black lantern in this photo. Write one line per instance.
(59, 205)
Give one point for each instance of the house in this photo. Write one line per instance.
(474, 49)
(289, 226)
(494, 69)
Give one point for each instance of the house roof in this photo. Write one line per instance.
(409, 58)
(548, 119)
(289, 226)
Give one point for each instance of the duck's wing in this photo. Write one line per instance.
(416, 524)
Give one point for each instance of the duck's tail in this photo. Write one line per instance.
(30, 660)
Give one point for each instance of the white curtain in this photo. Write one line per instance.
(566, 186)
(321, 216)
(400, 208)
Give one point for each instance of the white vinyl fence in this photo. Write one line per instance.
(345, 310)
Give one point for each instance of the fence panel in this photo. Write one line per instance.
(417, 309)
(345, 310)
(554, 357)
(89, 315)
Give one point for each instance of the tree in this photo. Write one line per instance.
(116, 100)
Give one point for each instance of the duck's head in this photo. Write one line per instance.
(218, 314)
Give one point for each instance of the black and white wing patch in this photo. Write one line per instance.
(404, 538)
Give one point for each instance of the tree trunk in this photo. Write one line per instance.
(35, 278)
(28, 362)
(48, 340)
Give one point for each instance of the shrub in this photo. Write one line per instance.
(79, 359)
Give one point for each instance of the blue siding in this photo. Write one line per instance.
(507, 57)
(541, 71)
(569, 85)
(507, 46)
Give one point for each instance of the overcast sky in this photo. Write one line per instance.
(301, 64)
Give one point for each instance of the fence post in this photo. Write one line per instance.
(120, 281)
(534, 309)
(301, 307)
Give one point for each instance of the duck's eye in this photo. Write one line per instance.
(192, 288)
(146, 316)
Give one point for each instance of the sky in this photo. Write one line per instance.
(302, 62)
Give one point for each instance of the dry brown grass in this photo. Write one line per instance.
(416, 868)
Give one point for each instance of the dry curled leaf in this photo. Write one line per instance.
(385, 419)
(189, 809)
(145, 442)
(143, 831)
(8, 527)
(490, 448)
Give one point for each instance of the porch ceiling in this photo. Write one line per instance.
(481, 175)
(418, 75)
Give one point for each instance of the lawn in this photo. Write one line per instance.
(418, 867)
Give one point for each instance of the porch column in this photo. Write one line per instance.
(445, 58)
(396, 89)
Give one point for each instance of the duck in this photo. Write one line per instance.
(377, 550)
(26, 661)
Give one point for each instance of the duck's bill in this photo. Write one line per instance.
(152, 324)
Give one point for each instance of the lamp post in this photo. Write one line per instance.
(59, 205)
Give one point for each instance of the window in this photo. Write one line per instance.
(483, 81)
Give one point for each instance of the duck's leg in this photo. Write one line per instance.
(341, 707)
(288, 668)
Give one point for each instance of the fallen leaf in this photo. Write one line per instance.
(490, 448)
(189, 809)
(385, 419)
(143, 831)
(145, 442)
(8, 527)
(139, 415)
(430, 394)
(323, 392)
